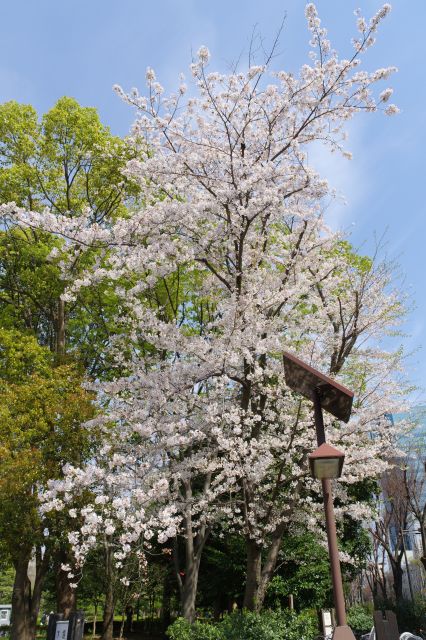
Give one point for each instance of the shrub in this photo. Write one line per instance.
(411, 615)
(181, 629)
(268, 625)
(360, 619)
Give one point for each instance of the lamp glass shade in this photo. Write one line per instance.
(326, 462)
(326, 468)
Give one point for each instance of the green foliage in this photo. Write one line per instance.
(411, 615)
(269, 625)
(41, 409)
(30, 284)
(7, 575)
(181, 629)
(222, 572)
(360, 618)
(19, 136)
(70, 162)
(80, 161)
(354, 260)
(21, 357)
(304, 571)
(356, 541)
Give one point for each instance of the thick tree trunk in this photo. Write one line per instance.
(268, 570)
(188, 580)
(189, 591)
(253, 574)
(108, 622)
(194, 545)
(21, 603)
(65, 595)
(26, 605)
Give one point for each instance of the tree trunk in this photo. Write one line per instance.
(166, 599)
(26, 605)
(194, 545)
(21, 603)
(123, 618)
(189, 591)
(108, 622)
(397, 580)
(423, 540)
(42, 563)
(60, 329)
(65, 595)
(95, 615)
(253, 574)
(268, 570)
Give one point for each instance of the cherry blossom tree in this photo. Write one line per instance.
(228, 263)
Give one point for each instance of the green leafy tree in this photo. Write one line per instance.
(41, 409)
(304, 572)
(70, 162)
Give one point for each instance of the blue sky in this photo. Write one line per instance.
(50, 48)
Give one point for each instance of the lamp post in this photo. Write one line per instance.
(326, 462)
(402, 534)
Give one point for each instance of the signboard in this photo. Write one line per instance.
(61, 631)
(327, 623)
(5, 613)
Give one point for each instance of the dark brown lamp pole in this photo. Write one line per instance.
(326, 462)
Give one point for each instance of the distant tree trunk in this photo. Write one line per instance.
(95, 615)
(423, 537)
(166, 599)
(108, 621)
(123, 618)
(60, 329)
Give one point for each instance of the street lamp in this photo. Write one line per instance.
(326, 462)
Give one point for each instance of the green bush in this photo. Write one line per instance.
(268, 625)
(360, 619)
(411, 615)
(181, 629)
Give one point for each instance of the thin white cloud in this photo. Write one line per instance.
(349, 178)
